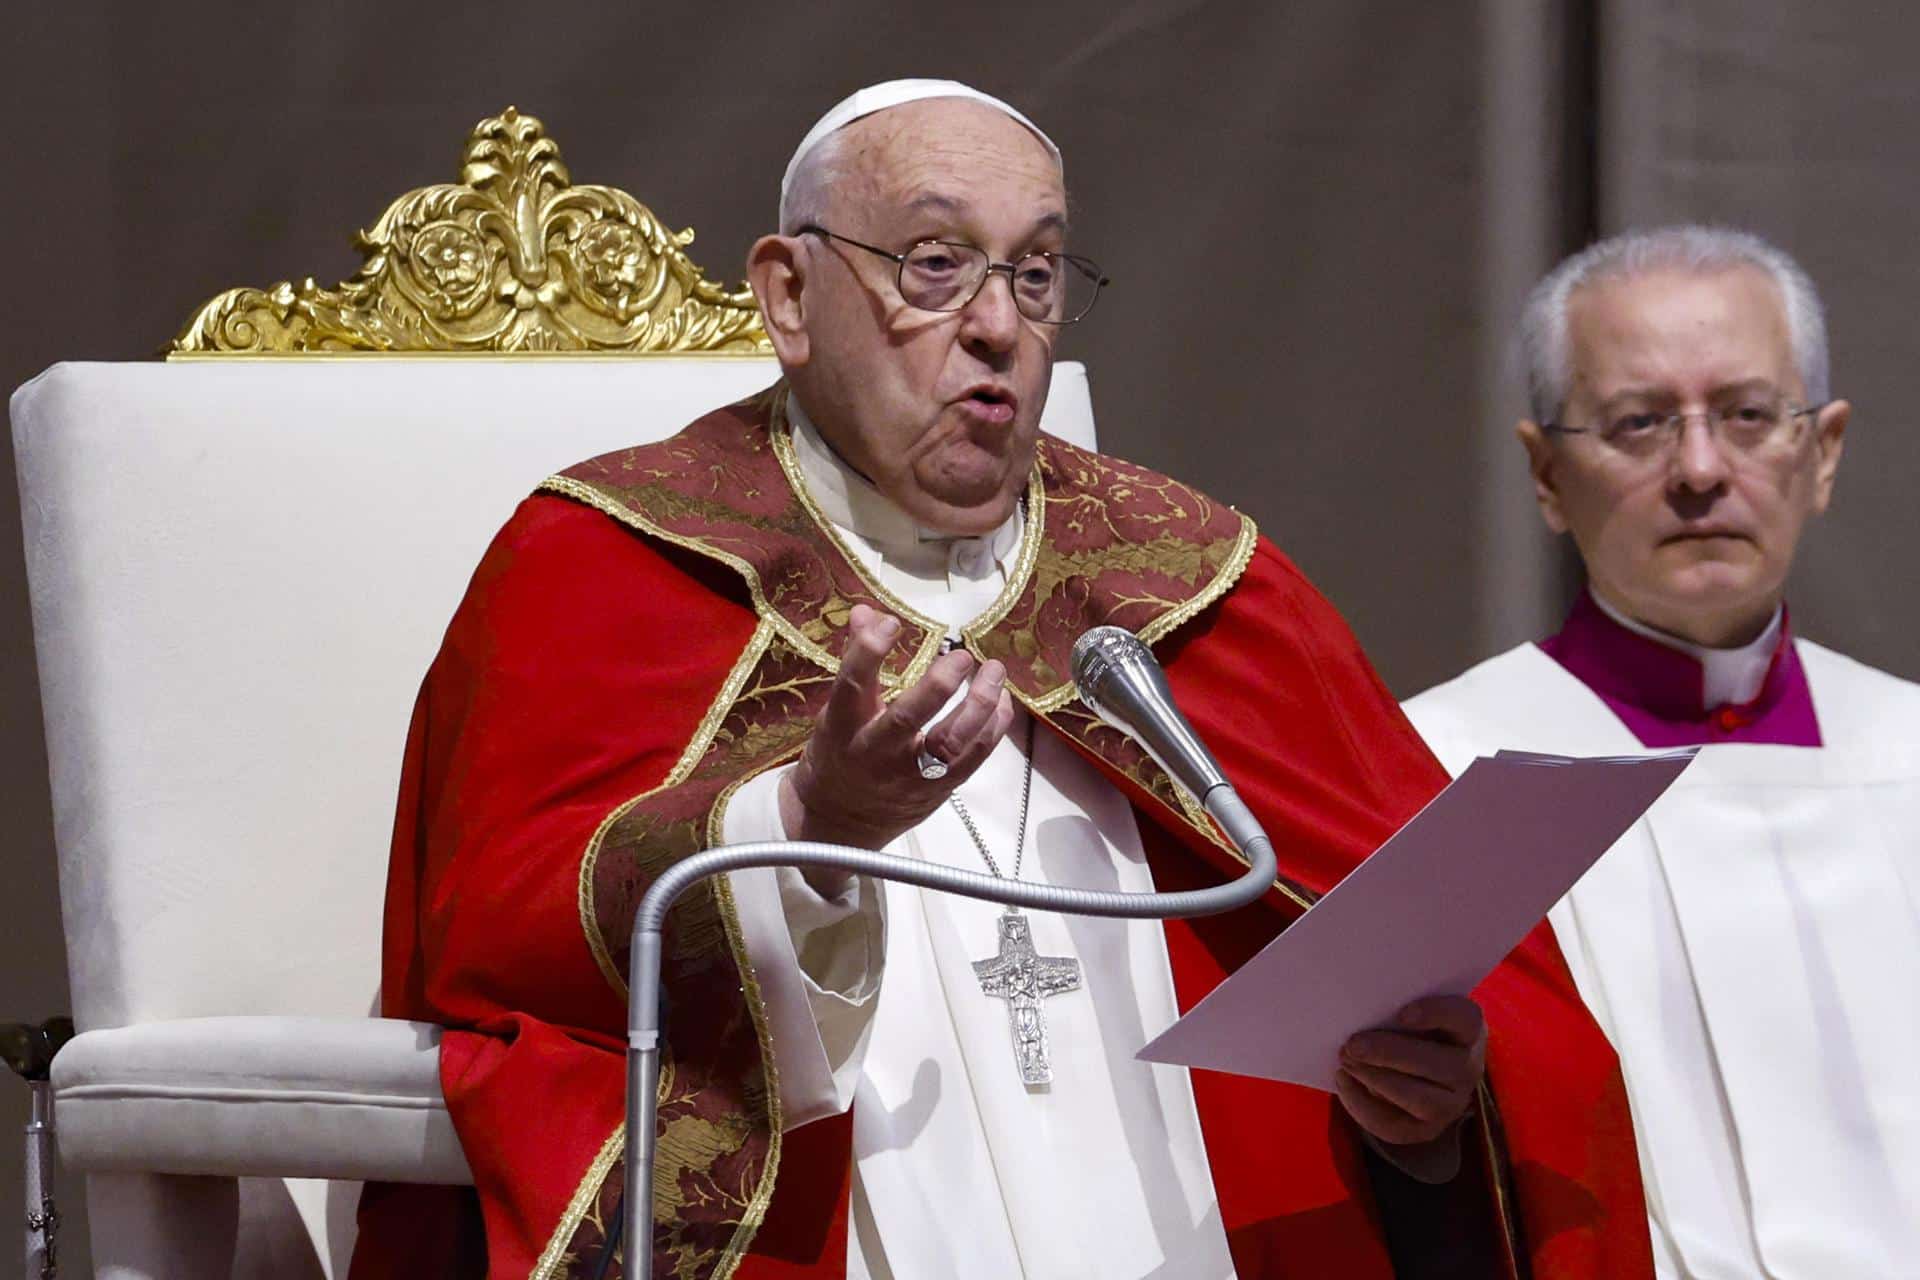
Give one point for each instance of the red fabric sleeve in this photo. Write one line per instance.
(579, 665)
(1277, 686)
(575, 671)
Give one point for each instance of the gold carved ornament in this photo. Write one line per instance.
(513, 258)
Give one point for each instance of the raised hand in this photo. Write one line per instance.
(859, 781)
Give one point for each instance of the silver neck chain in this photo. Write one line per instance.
(1020, 839)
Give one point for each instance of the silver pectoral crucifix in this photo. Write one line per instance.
(1023, 979)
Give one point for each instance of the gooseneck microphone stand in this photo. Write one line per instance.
(1121, 682)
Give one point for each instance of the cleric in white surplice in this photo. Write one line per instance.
(1753, 946)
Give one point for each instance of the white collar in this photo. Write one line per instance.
(1728, 676)
(853, 504)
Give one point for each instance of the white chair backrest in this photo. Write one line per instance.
(240, 570)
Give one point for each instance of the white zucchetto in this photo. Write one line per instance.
(894, 93)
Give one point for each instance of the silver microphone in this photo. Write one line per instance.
(1121, 683)
(1116, 677)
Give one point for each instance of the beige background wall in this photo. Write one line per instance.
(1319, 217)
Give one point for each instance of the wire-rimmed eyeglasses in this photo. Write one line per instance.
(1750, 426)
(945, 275)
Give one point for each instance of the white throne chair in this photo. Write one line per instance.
(241, 562)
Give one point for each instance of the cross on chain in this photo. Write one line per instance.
(1023, 979)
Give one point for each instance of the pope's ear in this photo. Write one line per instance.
(777, 271)
(1830, 431)
(1540, 462)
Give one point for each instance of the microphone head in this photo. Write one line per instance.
(1106, 657)
(1119, 680)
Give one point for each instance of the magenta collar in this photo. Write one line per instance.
(1657, 691)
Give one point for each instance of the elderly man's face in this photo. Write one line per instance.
(939, 409)
(1695, 540)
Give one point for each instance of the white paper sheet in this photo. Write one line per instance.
(1431, 913)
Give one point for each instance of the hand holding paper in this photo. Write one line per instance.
(1431, 913)
(1408, 1082)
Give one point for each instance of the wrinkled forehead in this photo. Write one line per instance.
(1679, 331)
(951, 150)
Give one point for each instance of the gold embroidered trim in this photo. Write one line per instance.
(567, 487)
(756, 1210)
(1029, 556)
(780, 430)
(750, 980)
(1205, 824)
(771, 623)
(1230, 572)
(1293, 895)
(1497, 1158)
(696, 748)
(780, 433)
(1159, 628)
(589, 1189)
(583, 1197)
(1199, 818)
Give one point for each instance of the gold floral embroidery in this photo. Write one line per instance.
(567, 487)
(583, 1207)
(720, 1139)
(1105, 542)
(696, 748)
(1032, 533)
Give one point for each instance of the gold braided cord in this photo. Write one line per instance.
(756, 1210)
(1238, 558)
(575, 1213)
(780, 431)
(568, 487)
(696, 748)
(588, 1191)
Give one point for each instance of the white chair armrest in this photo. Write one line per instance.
(354, 1098)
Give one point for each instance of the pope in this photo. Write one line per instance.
(843, 610)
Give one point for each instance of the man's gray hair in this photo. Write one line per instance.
(805, 199)
(1544, 344)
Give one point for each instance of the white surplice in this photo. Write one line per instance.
(961, 1171)
(1752, 950)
